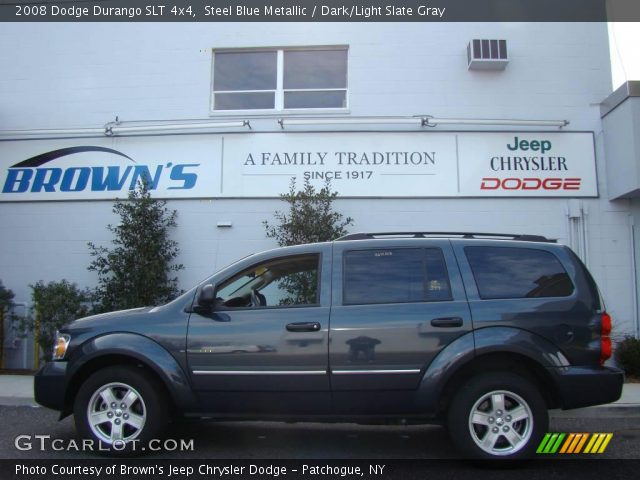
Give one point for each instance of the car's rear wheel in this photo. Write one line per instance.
(120, 409)
(498, 416)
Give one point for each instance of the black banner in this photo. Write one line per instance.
(320, 11)
(108, 469)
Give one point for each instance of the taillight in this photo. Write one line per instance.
(605, 324)
(605, 339)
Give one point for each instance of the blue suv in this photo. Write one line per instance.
(481, 332)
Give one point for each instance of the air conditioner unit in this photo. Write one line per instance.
(483, 54)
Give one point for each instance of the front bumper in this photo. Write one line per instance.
(587, 386)
(50, 385)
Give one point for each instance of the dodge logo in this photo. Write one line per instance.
(532, 183)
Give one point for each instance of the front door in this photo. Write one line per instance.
(264, 347)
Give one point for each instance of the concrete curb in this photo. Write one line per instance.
(17, 402)
(613, 410)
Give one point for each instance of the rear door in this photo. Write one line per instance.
(396, 304)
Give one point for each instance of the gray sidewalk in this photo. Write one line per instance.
(17, 390)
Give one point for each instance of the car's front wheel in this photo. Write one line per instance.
(120, 409)
(498, 416)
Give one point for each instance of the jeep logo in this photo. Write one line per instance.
(535, 145)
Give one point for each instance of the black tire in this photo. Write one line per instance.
(148, 410)
(476, 435)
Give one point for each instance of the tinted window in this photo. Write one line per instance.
(395, 276)
(437, 283)
(503, 272)
(280, 282)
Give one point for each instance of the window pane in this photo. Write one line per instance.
(333, 99)
(315, 69)
(281, 282)
(503, 48)
(437, 277)
(503, 272)
(245, 71)
(384, 276)
(494, 49)
(244, 101)
(485, 49)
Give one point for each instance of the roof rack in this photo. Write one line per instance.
(499, 236)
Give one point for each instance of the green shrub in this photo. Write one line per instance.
(310, 218)
(627, 355)
(54, 305)
(6, 304)
(138, 269)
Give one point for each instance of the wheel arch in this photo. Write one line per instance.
(140, 352)
(491, 349)
(503, 361)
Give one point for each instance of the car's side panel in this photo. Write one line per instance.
(385, 348)
(140, 348)
(253, 360)
(466, 349)
(569, 322)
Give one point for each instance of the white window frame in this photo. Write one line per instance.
(280, 90)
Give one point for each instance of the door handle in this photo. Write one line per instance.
(447, 322)
(303, 327)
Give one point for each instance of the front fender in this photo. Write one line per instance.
(472, 345)
(137, 347)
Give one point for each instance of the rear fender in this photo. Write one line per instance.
(474, 344)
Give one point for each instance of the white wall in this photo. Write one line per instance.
(83, 75)
(62, 75)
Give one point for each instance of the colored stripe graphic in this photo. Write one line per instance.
(556, 445)
(543, 443)
(598, 443)
(573, 443)
(594, 442)
(581, 442)
(567, 443)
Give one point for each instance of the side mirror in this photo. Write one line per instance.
(206, 298)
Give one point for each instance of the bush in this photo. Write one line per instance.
(54, 305)
(310, 219)
(627, 355)
(6, 305)
(6, 300)
(138, 270)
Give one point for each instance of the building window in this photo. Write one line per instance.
(282, 79)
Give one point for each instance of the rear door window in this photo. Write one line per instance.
(505, 272)
(395, 275)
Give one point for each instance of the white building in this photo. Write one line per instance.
(65, 85)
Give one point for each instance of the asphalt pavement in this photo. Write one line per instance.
(32, 435)
(17, 390)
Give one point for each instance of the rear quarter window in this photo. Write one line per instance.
(506, 272)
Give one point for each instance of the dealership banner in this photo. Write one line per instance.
(246, 165)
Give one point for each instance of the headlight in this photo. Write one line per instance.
(60, 345)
